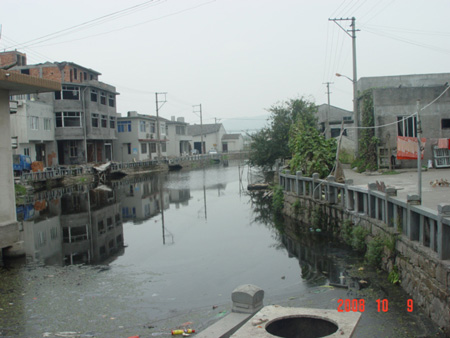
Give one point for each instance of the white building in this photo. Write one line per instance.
(212, 136)
(33, 130)
(179, 141)
(232, 143)
(137, 138)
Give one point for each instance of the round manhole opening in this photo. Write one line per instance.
(301, 327)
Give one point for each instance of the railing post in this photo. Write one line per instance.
(316, 187)
(331, 190)
(443, 232)
(349, 201)
(299, 183)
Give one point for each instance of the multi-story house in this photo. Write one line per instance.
(137, 138)
(179, 141)
(84, 111)
(33, 129)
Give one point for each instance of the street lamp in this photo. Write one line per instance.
(355, 111)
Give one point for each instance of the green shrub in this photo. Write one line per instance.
(277, 199)
(394, 276)
(359, 238)
(374, 252)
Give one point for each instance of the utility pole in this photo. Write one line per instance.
(201, 127)
(158, 129)
(355, 77)
(327, 121)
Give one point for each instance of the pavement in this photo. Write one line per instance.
(406, 181)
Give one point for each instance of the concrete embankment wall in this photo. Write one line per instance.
(423, 275)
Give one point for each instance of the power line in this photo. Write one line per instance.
(133, 25)
(56, 34)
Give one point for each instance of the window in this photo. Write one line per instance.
(68, 119)
(142, 126)
(445, 124)
(34, 122)
(163, 147)
(75, 73)
(94, 95)
(129, 148)
(26, 151)
(73, 148)
(144, 148)
(104, 121)
(152, 127)
(111, 100)
(85, 76)
(25, 71)
(69, 93)
(101, 227)
(162, 128)
(112, 122)
(95, 120)
(180, 130)
(407, 126)
(102, 98)
(47, 124)
(124, 126)
(153, 147)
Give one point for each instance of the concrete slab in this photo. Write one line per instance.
(268, 317)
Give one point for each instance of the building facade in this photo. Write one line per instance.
(232, 143)
(212, 136)
(180, 143)
(395, 103)
(84, 110)
(137, 138)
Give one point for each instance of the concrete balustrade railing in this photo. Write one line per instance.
(431, 228)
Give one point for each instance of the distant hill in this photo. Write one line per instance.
(245, 124)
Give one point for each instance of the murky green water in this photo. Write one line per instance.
(155, 253)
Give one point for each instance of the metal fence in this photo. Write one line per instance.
(50, 174)
(428, 227)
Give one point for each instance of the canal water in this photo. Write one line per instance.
(153, 253)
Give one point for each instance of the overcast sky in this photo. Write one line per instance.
(235, 57)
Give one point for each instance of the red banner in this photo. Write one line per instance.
(407, 148)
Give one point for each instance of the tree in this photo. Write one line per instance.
(272, 142)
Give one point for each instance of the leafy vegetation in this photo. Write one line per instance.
(272, 143)
(277, 199)
(311, 152)
(367, 159)
(394, 276)
(374, 252)
(355, 236)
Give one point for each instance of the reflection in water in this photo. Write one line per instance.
(321, 259)
(83, 225)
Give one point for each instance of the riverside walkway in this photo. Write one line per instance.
(406, 183)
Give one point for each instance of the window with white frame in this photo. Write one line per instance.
(26, 151)
(94, 95)
(112, 122)
(163, 147)
(123, 126)
(406, 126)
(144, 148)
(34, 122)
(95, 120)
(153, 147)
(152, 127)
(142, 126)
(68, 119)
(68, 93)
(103, 98)
(73, 148)
(47, 124)
(111, 100)
(104, 121)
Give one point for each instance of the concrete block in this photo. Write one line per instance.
(413, 199)
(391, 192)
(247, 298)
(444, 209)
(277, 321)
